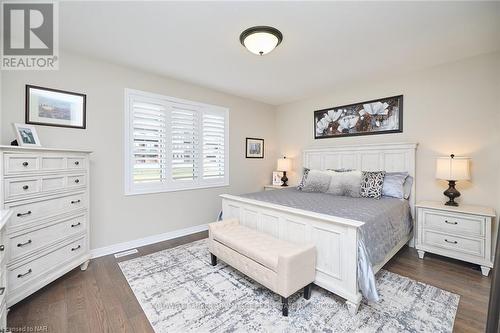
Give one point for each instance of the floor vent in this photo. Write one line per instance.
(125, 253)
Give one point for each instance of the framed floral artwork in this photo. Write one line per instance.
(378, 116)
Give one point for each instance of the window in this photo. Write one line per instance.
(173, 144)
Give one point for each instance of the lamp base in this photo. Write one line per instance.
(284, 179)
(451, 193)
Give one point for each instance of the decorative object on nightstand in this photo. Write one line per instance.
(277, 178)
(452, 168)
(284, 165)
(462, 233)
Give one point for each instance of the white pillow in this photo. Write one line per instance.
(317, 181)
(347, 183)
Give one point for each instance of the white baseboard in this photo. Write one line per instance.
(104, 251)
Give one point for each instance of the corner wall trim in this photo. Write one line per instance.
(104, 251)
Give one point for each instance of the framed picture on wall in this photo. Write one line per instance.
(52, 107)
(26, 135)
(379, 116)
(255, 148)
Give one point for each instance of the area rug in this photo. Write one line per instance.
(180, 291)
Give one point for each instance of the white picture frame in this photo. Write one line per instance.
(26, 135)
(277, 177)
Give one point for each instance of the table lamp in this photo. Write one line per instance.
(452, 168)
(284, 164)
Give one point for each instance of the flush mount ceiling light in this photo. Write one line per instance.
(261, 40)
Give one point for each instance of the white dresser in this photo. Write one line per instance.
(4, 218)
(462, 232)
(48, 233)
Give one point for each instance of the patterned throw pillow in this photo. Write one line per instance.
(347, 183)
(303, 180)
(317, 181)
(372, 183)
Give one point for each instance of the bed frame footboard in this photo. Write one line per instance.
(335, 239)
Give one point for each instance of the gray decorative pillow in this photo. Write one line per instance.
(303, 180)
(346, 183)
(393, 184)
(317, 181)
(407, 187)
(372, 183)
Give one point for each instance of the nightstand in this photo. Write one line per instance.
(462, 232)
(275, 187)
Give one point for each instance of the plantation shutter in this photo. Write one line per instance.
(174, 144)
(184, 127)
(149, 133)
(213, 145)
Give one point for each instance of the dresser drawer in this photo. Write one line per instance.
(16, 163)
(22, 243)
(77, 180)
(21, 187)
(457, 224)
(45, 207)
(473, 247)
(37, 268)
(76, 163)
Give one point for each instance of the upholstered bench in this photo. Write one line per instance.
(280, 266)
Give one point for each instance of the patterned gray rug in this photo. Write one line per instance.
(180, 291)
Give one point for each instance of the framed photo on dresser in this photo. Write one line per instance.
(53, 107)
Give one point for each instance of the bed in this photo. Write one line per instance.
(343, 229)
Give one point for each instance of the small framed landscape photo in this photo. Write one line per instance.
(255, 148)
(52, 107)
(26, 135)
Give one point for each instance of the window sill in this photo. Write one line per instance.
(161, 190)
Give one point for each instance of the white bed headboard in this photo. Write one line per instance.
(391, 157)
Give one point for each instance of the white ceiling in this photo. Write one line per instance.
(325, 45)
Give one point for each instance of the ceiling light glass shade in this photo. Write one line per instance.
(261, 40)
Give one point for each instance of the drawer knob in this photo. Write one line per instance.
(451, 242)
(25, 164)
(75, 201)
(453, 222)
(75, 248)
(25, 187)
(2, 291)
(24, 244)
(24, 214)
(76, 224)
(77, 163)
(24, 274)
(2, 247)
(77, 181)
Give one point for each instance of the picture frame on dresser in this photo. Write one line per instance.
(26, 135)
(48, 234)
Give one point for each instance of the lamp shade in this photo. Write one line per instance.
(284, 164)
(452, 168)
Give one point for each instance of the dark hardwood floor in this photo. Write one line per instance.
(100, 300)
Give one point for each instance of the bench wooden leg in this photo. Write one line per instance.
(285, 306)
(307, 291)
(213, 259)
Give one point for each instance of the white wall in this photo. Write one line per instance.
(115, 217)
(454, 107)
